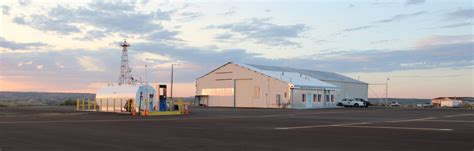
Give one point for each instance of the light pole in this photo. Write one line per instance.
(146, 85)
(171, 92)
(386, 92)
(172, 78)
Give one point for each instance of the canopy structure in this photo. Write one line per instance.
(117, 95)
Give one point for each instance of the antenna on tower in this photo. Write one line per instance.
(125, 76)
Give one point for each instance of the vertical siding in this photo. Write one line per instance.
(351, 90)
(224, 78)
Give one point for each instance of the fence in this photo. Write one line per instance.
(106, 105)
(128, 105)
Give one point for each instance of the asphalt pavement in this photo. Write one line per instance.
(365, 129)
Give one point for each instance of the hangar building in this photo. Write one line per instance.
(258, 86)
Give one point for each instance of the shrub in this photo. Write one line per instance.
(467, 105)
(68, 102)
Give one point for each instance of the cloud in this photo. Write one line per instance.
(20, 64)
(435, 56)
(5, 10)
(224, 36)
(59, 65)
(357, 28)
(104, 16)
(382, 41)
(189, 16)
(259, 30)
(443, 39)
(351, 6)
(163, 15)
(152, 57)
(461, 14)
(47, 24)
(163, 35)
(90, 64)
(39, 67)
(19, 45)
(196, 61)
(463, 24)
(24, 2)
(414, 2)
(230, 12)
(400, 17)
(92, 35)
(321, 41)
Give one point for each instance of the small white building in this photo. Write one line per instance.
(447, 102)
(243, 85)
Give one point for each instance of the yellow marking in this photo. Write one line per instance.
(107, 104)
(94, 103)
(88, 104)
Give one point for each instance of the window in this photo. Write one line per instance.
(314, 97)
(303, 97)
(327, 98)
(319, 97)
(278, 99)
(332, 98)
(256, 92)
(286, 94)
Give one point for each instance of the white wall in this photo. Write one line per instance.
(297, 102)
(225, 76)
(350, 90)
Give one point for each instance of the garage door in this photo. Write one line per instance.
(243, 93)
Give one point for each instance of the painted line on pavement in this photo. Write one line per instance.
(401, 128)
(411, 120)
(317, 126)
(177, 119)
(449, 121)
(457, 115)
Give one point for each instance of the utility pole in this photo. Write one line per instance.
(172, 78)
(146, 86)
(386, 92)
(171, 92)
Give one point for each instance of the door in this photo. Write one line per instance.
(309, 101)
(243, 93)
(278, 100)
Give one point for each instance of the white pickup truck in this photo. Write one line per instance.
(351, 103)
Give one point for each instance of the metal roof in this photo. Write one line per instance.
(298, 80)
(320, 75)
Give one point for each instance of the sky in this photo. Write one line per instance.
(421, 48)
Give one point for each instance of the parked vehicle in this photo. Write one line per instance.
(367, 103)
(395, 104)
(424, 105)
(351, 103)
